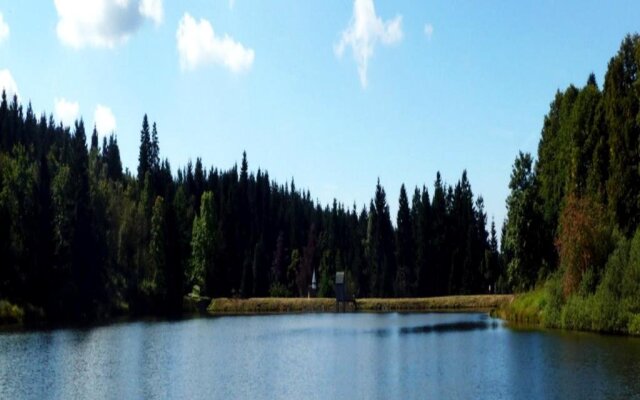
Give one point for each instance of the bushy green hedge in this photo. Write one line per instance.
(614, 305)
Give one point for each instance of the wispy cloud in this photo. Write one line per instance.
(363, 33)
(4, 29)
(66, 111)
(428, 30)
(198, 45)
(103, 23)
(8, 84)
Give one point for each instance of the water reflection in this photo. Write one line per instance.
(318, 356)
(457, 326)
(462, 326)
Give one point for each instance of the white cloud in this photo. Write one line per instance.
(428, 30)
(8, 84)
(198, 46)
(104, 119)
(152, 9)
(365, 30)
(66, 111)
(103, 23)
(231, 4)
(4, 29)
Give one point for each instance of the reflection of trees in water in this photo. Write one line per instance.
(451, 327)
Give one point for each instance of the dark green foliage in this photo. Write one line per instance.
(404, 247)
(380, 246)
(621, 105)
(583, 193)
(203, 246)
(522, 237)
(424, 277)
(83, 240)
(111, 157)
(144, 156)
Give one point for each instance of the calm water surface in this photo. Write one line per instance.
(318, 356)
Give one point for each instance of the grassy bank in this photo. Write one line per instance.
(594, 312)
(527, 308)
(286, 305)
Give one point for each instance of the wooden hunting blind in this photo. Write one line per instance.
(341, 290)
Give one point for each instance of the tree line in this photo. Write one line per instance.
(83, 239)
(573, 213)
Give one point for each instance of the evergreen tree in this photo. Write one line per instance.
(521, 239)
(144, 155)
(404, 247)
(86, 275)
(154, 151)
(621, 106)
(112, 156)
(155, 279)
(439, 238)
(494, 270)
(94, 140)
(380, 246)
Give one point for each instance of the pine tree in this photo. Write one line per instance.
(521, 239)
(439, 238)
(154, 150)
(144, 155)
(155, 279)
(622, 105)
(94, 140)
(380, 246)
(114, 164)
(404, 247)
(84, 268)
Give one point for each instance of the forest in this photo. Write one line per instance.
(572, 229)
(83, 240)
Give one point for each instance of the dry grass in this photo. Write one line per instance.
(472, 302)
(270, 305)
(293, 305)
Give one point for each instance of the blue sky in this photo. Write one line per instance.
(448, 85)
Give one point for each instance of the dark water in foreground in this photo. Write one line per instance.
(318, 356)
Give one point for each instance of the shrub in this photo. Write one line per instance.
(630, 285)
(277, 289)
(634, 325)
(589, 282)
(555, 301)
(577, 313)
(10, 313)
(607, 312)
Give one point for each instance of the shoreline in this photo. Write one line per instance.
(268, 305)
(195, 308)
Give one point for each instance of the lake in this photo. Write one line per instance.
(318, 356)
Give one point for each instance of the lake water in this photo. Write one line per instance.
(318, 356)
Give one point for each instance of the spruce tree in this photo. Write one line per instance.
(94, 140)
(404, 247)
(145, 150)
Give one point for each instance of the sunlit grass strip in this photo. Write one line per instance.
(470, 302)
(293, 305)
